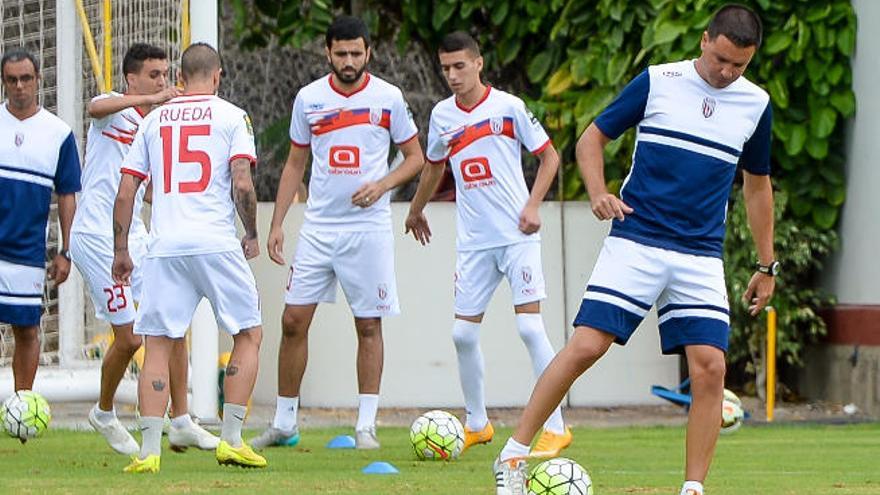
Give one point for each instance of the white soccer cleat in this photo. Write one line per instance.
(366, 439)
(510, 476)
(116, 435)
(273, 437)
(191, 436)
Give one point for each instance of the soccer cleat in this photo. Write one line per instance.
(510, 476)
(366, 439)
(551, 444)
(191, 436)
(273, 437)
(243, 456)
(116, 435)
(148, 465)
(477, 437)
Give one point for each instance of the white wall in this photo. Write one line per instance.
(855, 274)
(420, 363)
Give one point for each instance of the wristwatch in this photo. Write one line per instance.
(65, 253)
(772, 269)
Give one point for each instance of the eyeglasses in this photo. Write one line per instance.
(13, 80)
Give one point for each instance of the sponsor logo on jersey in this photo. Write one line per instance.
(476, 172)
(345, 160)
(19, 139)
(708, 106)
(671, 73)
(527, 274)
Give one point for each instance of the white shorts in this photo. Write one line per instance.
(478, 273)
(363, 262)
(688, 290)
(93, 256)
(174, 286)
(21, 293)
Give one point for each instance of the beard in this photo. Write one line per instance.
(348, 77)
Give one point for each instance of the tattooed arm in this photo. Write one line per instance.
(122, 211)
(245, 198)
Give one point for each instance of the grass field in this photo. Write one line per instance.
(796, 460)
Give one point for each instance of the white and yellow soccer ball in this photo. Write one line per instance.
(732, 397)
(559, 476)
(25, 415)
(437, 435)
(732, 415)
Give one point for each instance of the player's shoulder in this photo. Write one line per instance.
(744, 85)
(381, 85)
(317, 89)
(52, 125)
(501, 98)
(104, 96)
(670, 70)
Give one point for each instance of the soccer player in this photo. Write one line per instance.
(481, 130)
(197, 150)
(37, 155)
(697, 120)
(347, 120)
(115, 120)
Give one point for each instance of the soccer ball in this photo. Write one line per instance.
(25, 415)
(559, 476)
(732, 416)
(732, 397)
(437, 435)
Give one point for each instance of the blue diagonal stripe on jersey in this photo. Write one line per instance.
(621, 295)
(26, 171)
(672, 307)
(690, 138)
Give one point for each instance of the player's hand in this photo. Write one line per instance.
(250, 246)
(418, 225)
(164, 95)
(59, 269)
(607, 206)
(368, 194)
(759, 292)
(529, 220)
(275, 245)
(122, 267)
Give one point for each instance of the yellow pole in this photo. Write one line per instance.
(108, 46)
(90, 46)
(771, 362)
(186, 39)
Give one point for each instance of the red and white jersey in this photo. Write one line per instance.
(349, 135)
(186, 146)
(108, 141)
(483, 146)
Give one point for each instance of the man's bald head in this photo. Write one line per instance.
(199, 62)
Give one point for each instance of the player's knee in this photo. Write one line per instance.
(710, 370)
(250, 336)
(465, 337)
(369, 328)
(293, 325)
(587, 350)
(130, 343)
(26, 335)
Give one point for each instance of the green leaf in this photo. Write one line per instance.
(836, 195)
(822, 122)
(818, 13)
(617, 67)
(580, 69)
(796, 140)
(442, 12)
(499, 13)
(844, 102)
(846, 41)
(778, 91)
(559, 81)
(776, 42)
(834, 73)
(668, 31)
(539, 66)
(824, 215)
(817, 148)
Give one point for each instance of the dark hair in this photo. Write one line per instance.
(17, 55)
(346, 27)
(458, 41)
(200, 59)
(137, 54)
(738, 23)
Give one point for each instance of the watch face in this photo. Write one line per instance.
(774, 268)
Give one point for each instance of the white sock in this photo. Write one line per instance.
(285, 413)
(513, 449)
(233, 418)
(182, 421)
(466, 336)
(692, 485)
(151, 435)
(368, 405)
(104, 417)
(533, 335)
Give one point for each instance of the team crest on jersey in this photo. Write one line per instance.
(527, 274)
(708, 106)
(19, 139)
(496, 124)
(375, 116)
(382, 291)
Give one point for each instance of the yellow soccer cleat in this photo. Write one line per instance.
(148, 465)
(243, 456)
(477, 437)
(551, 444)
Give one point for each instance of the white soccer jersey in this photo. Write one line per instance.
(349, 136)
(483, 145)
(108, 142)
(186, 147)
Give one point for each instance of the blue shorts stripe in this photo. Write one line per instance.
(20, 315)
(607, 318)
(672, 307)
(612, 292)
(677, 333)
